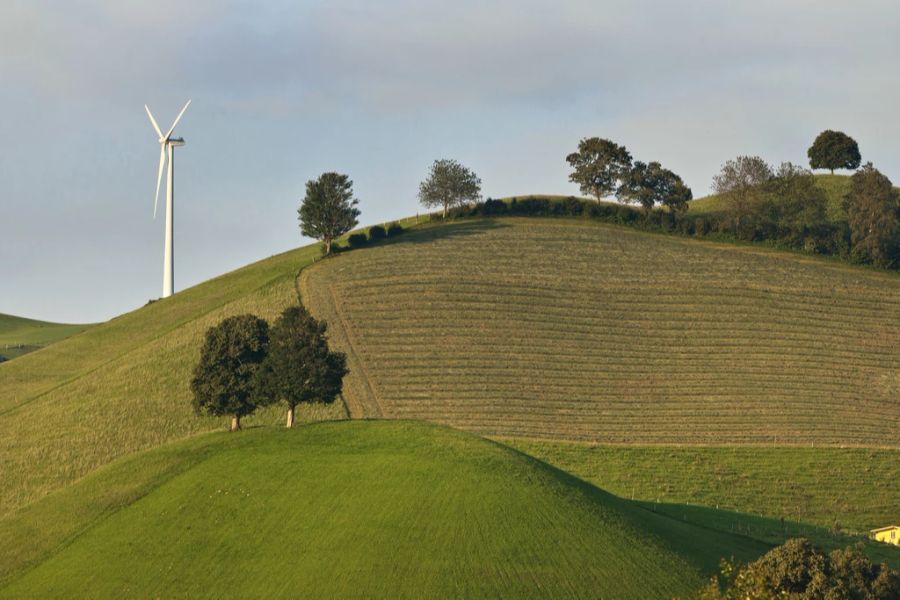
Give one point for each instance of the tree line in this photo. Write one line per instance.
(245, 364)
(785, 205)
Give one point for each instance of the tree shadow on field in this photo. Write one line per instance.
(440, 230)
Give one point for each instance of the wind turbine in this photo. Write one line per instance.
(167, 150)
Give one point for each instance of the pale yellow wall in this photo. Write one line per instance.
(889, 536)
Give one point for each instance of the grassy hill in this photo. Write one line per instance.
(369, 509)
(836, 188)
(19, 335)
(574, 330)
(778, 349)
(123, 386)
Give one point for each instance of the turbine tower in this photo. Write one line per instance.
(167, 151)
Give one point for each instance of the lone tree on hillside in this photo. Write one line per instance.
(834, 150)
(741, 183)
(649, 184)
(872, 213)
(598, 166)
(449, 184)
(796, 569)
(299, 366)
(329, 209)
(231, 354)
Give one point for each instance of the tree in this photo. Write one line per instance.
(796, 569)
(299, 367)
(223, 378)
(872, 207)
(329, 209)
(798, 206)
(741, 181)
(649, 184)
(834, 150)
(598, 166)
(449, 184)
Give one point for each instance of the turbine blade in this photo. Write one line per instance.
(162, 161)
(178, 118)
(153, 121)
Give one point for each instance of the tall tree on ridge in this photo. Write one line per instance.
(834, 150)
(598, 166)
(449, 184)
(329, 209)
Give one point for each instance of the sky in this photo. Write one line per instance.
(283, 91)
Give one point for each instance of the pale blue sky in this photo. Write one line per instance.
(285, 90)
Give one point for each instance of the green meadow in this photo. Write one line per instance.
(359, 509)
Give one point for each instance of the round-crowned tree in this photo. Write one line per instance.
(223, 378)
(598, 166)
(299, 366)
(449, 184)
(834, 150)
(649, 184)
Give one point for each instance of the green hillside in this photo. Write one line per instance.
(374, 509)
(836, 188)
(572, 330)
(19, 335)
(754, 346)
(123, 386)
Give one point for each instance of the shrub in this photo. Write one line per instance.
(572, 206)
(357, 240)
(494, 207)
(377, 232)
(394, 229)
(702, 226)
(626, 214)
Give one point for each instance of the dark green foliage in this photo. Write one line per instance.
(394, 229)
(834, 150)
(649, 184)
(798, 570)
(449, 184)
(741, 182)
(223, 378)
(598, 166)
(377, 232)
(494, 207)
(872, 213)
(357, 240)
(329, 208)
(299, 367)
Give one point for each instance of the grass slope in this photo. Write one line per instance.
(855, 487)
(19, 335)
(123, 386)
(374, 509)
(568, 329)
(836, 188)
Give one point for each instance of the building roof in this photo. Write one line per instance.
(888, 528)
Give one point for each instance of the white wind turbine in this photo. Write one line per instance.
(167, 150)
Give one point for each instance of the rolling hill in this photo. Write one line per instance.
(121, 387)
(19, 335)
(573, 330)
(370, 508)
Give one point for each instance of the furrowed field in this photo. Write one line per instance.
(571, 330)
